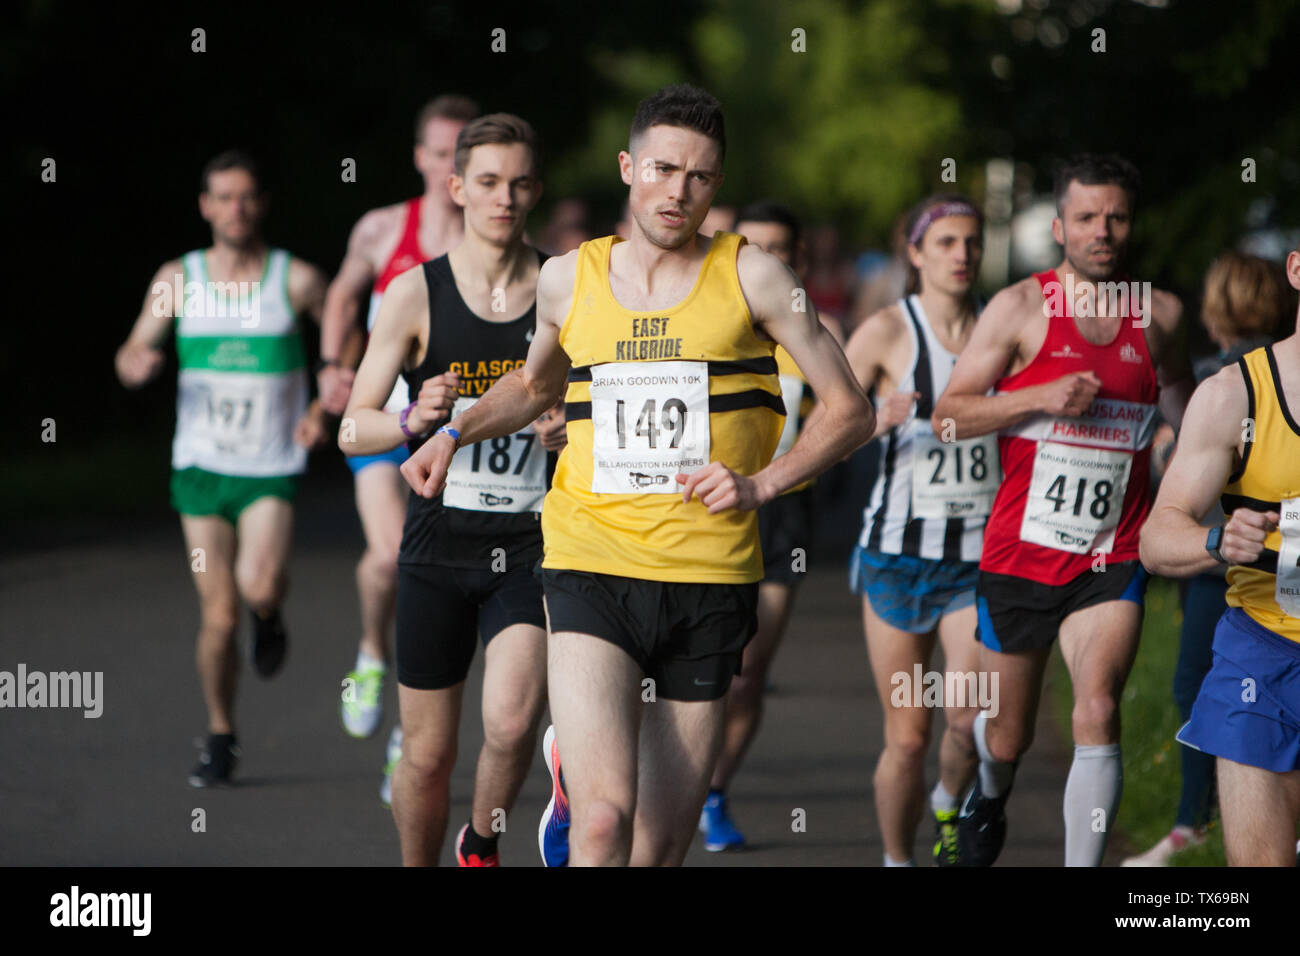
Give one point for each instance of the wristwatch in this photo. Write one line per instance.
(1214, 541)
(324, 363)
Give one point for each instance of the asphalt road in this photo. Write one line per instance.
(112, 790)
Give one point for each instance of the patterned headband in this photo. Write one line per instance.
(938, 212)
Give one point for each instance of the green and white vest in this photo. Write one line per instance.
(243, 378)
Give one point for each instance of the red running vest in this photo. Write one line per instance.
(1074, 488)
(407, 255)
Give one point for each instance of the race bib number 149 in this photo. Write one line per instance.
(650, 422)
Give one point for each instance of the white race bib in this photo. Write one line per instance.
(650, 422)
(506, 474)
(792, 396)
(953, 479)
(1076, 497)
(228, 418)
(1287, 589)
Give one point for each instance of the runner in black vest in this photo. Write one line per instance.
(452, 328)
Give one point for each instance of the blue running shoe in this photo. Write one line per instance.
(715, 823)
(553, 834)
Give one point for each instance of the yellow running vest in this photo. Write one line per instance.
(1269, 589)
(651, 395)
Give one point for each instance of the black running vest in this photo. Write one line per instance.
(479, 352)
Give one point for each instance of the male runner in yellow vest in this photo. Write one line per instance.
(1240, 443)
(651, 560)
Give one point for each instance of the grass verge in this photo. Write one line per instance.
(1152, 768)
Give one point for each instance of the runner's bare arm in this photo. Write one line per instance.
(868, 346)
(846, 421)
(515, 399)
(1173, 371)
(307, 285)
(307, 297)
(139, 359)
(339, 334)
(993, 345)
(1173, 540)
(396, 331)
(357, 273)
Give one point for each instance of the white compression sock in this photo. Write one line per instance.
(889, 862)
(941, 801)
(996, 777)
(1091, 798)
(367, 663)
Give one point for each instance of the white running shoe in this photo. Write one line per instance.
(362, 707)
(394, 755)
(1179, 838)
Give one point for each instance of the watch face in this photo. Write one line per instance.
(1214, 539)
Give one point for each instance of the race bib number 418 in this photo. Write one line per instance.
(1075, 498)
(650, 422)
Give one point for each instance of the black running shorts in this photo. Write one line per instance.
(687, 638)
(1016, 614)
(441, 612)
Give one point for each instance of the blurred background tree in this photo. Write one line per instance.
(843, 109)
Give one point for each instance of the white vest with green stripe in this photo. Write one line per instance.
(243, 378)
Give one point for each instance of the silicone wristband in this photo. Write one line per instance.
(401, 420)
(448, 430)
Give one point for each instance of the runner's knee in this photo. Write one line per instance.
(603, 825)
(508, 729)
(429, 760)
(260, 586)
(220, 621)
(1094, 717)
(379, 562)
(908, 744)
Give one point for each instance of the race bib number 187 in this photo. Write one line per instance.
(650, 422)
(505, 474)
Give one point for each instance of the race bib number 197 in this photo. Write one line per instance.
(229, 419)
(650, 422)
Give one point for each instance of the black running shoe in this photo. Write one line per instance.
(270, 644)
(981, 829)
(216, 763)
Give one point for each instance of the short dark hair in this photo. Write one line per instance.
(231, 159)
(682, 105)
(450, 106)
(1092, 169)
(767, 211)
(501, 128)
